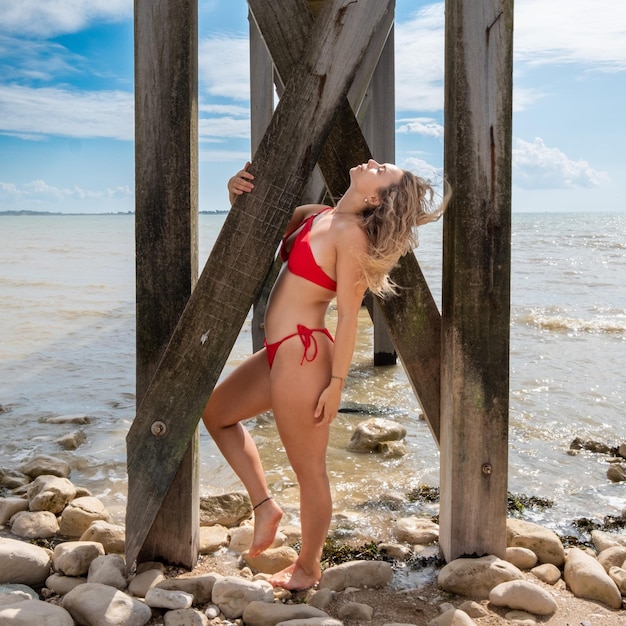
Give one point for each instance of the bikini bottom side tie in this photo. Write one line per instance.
(308, 341)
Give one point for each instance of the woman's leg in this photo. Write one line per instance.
(243, 394)
(295, 391)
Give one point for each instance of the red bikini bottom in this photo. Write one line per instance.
(308, 341)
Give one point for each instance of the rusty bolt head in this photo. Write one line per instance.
(486, 469)
(158, 429)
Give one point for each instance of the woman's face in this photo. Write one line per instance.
(369, 177)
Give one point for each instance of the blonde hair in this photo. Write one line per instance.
(391, 228)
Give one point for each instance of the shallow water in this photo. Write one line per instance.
(67, 347)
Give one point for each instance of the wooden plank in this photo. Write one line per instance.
(412, 317)
(166, 225)
(241, 256)
(379, 129)
(261, 111)
(476, 294)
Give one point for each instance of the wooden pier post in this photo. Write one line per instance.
(166, 234)
(476, 278)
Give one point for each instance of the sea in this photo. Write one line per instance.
(67, 348)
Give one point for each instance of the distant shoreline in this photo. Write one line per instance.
(37, 213)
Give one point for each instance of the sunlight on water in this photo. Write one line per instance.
(67, 347)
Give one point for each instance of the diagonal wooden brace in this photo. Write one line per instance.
(412, 318)
(241, 256)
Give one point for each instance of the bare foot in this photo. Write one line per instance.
(295, 578)
(266, 520)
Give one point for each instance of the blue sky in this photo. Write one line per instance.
(66, 102)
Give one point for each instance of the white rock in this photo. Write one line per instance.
(603, 540)
(43, 464)
(473, 609)
(542, 541)
(587, 579)
(13, 593)
(357, 574)
(618, 575)
(547, 573)
(313, 621)
(369, 433)
(521, 594)
(521, 557)
(109, 569)
(613, 556)
(80, 513)
(454, 617)
(62, 585)
(476, 577)
(166, 599)
(50, 493)
(100, 605)
(241, 538)
(73, 558)
(185, 617)
(212, 538)
(521, 618)
(200, 587)
(111, 536)
(34, 525)
(416, 530)
(272, 560)
(232, 594)
(259, 613)
(10, 506)
(140, 584)
(32, 612)
(23, 563)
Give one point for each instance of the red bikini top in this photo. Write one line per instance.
(301, 261)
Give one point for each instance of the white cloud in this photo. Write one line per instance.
(419, 60)
(425, 126)
(51, 111)
(220, 128)
(40, 191)
(536, 166)
(424, 169)
(592, 33)
(223, 66)
(47, 18)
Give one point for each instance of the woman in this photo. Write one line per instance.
(299, 375)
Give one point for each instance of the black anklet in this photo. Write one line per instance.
(254, 508)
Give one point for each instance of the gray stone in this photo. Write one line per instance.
(547, 573)
(12, 479)
(43, 464)
(72, 441)
(370, 433)
(32, 612)
(476, 577)
(616, 472)
(168, 599)
(140, 584)
(356, 611)
(228, 510)
(587, 579)
(357, 574)
(100, 605)
(259, 613)
(12, 593)
(321, 598)
(68, 419)
(312, 621)
(521, 594)
(23, 563)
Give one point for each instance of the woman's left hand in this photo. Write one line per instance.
(327, 405)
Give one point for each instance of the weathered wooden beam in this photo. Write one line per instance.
(166, 232)
(241, 256)
(476, 278)
(412, 317)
